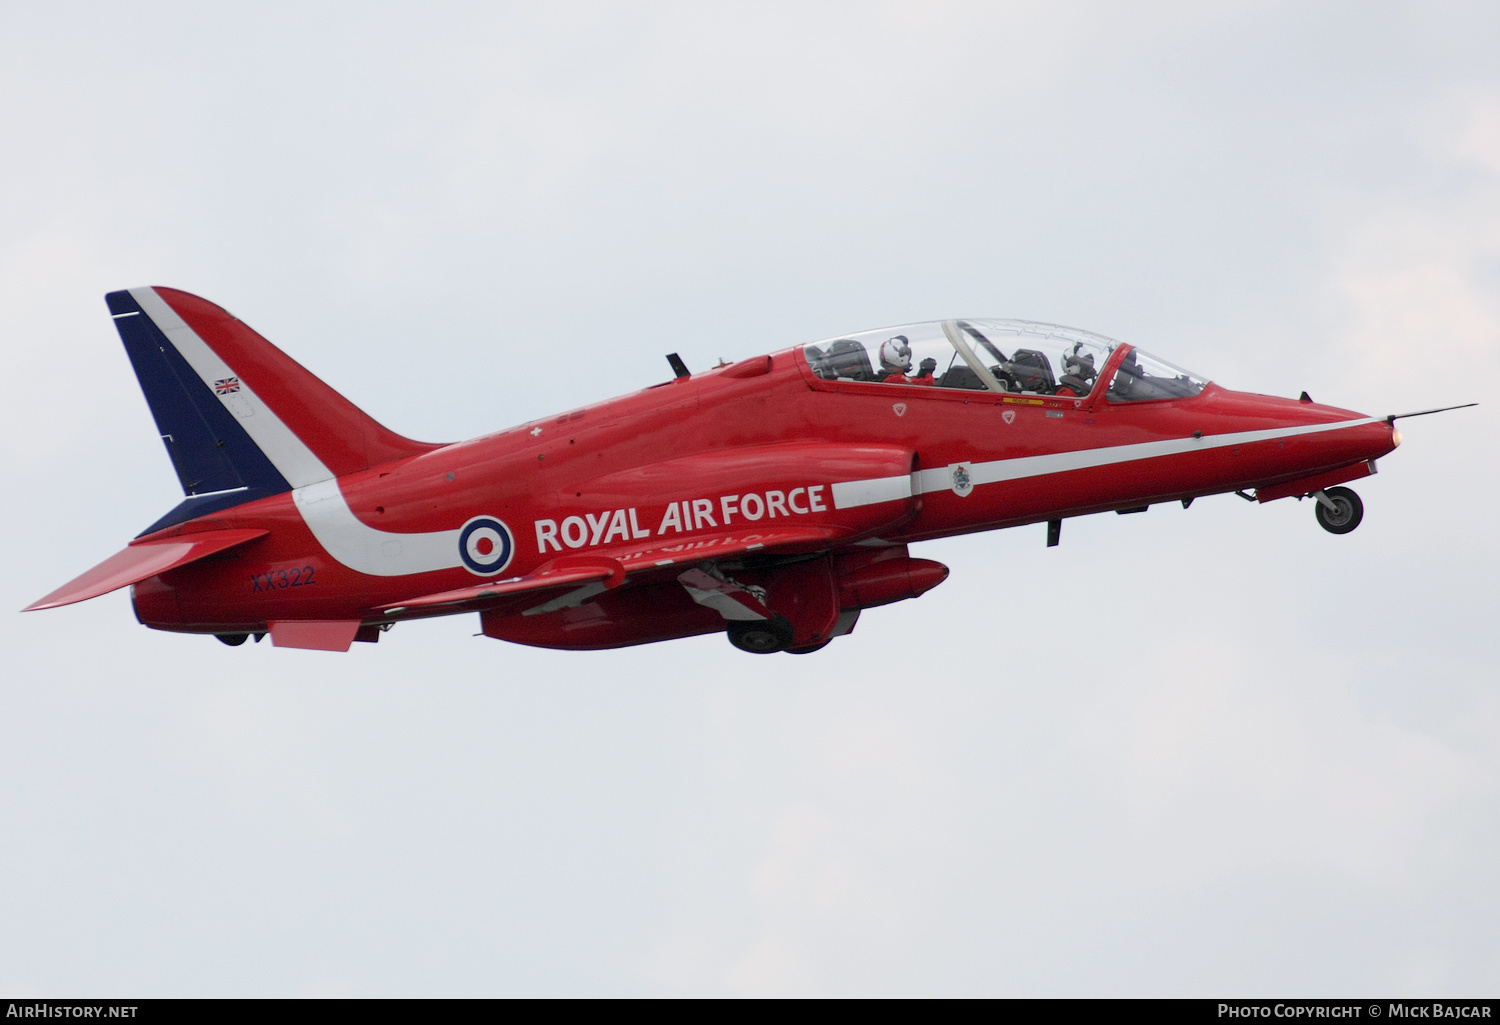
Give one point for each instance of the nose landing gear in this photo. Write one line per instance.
(1338, 510)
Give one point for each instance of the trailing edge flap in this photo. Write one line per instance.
(610, 566)
(141, 560)
(556, 574)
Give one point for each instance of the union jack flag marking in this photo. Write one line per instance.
(227, 385)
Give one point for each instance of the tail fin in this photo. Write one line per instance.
(241, 420)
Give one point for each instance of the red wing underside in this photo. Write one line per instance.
(608, 569)
(143, 560)
(714, 547)
(479, 596)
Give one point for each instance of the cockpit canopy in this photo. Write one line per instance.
(1141, 376)
(1013, 356)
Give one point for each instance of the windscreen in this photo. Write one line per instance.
(1142, 377)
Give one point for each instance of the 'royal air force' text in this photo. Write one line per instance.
(685, 517)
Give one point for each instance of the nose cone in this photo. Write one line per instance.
(1373, 440)
(1316, 435)
(1364, 437)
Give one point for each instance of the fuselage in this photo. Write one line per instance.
(656, 467)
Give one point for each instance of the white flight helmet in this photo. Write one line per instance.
(1079, 364)
(896, 354)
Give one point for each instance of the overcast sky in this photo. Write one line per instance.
(1213, 752)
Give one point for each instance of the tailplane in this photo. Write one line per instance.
(240, 418)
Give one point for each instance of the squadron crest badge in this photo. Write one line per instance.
(963, 479)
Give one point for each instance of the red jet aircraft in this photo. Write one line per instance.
(773, 498)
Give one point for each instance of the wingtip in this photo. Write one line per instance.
(49, 602)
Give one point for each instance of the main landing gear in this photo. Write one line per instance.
(760, 636)
(235, 640)
(1338, 510)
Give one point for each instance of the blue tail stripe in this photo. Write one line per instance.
(201, 505)
(210, 451)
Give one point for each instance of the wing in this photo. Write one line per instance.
(569, 579)
(558, 575)
(729, 544)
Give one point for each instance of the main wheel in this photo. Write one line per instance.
(760, 636)
(233, 640)
(1346, 513)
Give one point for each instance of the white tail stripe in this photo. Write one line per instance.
(287, 452)
(378, 553)
(866, 492)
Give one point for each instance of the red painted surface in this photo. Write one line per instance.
(864, 586)
(318, 634)
(341, 434)
(1317, 482)
(142, 560)
(747, 454)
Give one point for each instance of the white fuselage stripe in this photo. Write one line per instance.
(378, 553)
(287, 452)
(856, 493)
(383, 553)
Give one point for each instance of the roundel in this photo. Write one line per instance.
(485, 546)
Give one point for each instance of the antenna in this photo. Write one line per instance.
(1402, 416)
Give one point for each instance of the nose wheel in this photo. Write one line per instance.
(1338, 510)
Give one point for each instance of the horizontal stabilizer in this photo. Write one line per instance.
(143, 560)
